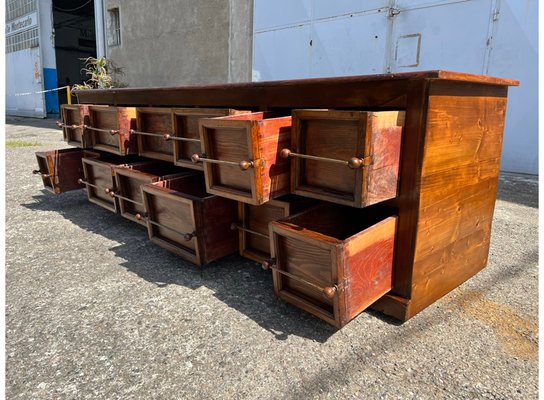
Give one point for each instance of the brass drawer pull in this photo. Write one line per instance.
(110, 131)
(61, 124)
(234, 226)
(243, 165)
(328, 291)
(353, 162)
(113, 194)
(38, 172)
(186, 236)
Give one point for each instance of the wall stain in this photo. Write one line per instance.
(517, 332)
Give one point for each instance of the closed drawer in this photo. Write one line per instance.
(110, 129)
(61, 170)
(333, 261)
(154, 129)
(241, 156)
(186, 135)
(99, 178)
(184, 219)
(128, 185)
(253, 223)
(346, 157)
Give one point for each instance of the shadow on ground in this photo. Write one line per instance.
(239, 283)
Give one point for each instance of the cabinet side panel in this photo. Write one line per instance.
(458, 187)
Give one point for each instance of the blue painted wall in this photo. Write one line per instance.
(51, 98)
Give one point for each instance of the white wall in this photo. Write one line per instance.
(317, 38)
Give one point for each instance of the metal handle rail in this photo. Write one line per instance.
(113, 194)
(61, 124)
(110, 131)
(328, 291)
(81, 181)
(353, 162)
(234, 226)
(244, 165)
(43, 175)
(186, 236)
(165, 136)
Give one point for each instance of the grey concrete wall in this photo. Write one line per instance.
(173, 42)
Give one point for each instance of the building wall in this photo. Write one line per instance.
(175, 42)
(491, 37)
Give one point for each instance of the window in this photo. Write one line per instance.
(114, 27)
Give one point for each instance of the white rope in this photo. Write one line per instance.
(41, 91)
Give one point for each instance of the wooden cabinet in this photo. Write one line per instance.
(184, 219)
(443, 194)
(61, 170)
(241, 156)
(345, 157)
(110, 129)
(186, 137)
(333, 261)
(253, 223)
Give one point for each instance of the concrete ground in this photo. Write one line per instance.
(95, 311)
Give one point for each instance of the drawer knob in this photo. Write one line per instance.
(267, 264)
(38, 172)
(329, 292)
(107, 190)
(245, 165)
(285, 153)
(167, 136)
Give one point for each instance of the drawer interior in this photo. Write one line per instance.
(155, 122)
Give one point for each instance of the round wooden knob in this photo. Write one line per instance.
(107, 190)
(285, 153)
(355, 163)
(329, 291)
(195, 158)
(80, 181)
(138, 216)
(188, 236)
(245, 165)
(111, 193)
(167, 136)
(267, 264)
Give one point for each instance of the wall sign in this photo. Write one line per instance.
(22, 24)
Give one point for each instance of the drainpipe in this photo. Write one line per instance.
(99, 28)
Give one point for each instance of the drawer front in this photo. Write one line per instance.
(171, 223)
(241, 156)
(346, 157)
(100, 180)
(152, 126)
(110, 129)
(129, 192)
(60, 170)
(186, 130)
(254, 220)
(73, 119)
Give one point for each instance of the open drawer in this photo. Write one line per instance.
(129, 180)
(241, 156)
(333, 261)
(61, 170)
(253, 223)
(110, 129)
(74, 118)
(186, 136)
(153, 130)
(346, 157)
(184, 219)
(99, 178)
